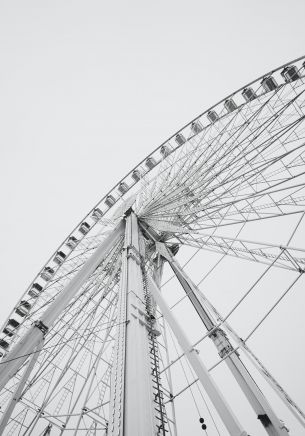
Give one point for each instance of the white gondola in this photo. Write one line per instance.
(269, 83)
(47, 273)
(110, 200)
(150, 163)
(212, 116)
(59, 257)
(72, 242)
(97, 214)
(290, 73)
(4, 346)
(136, 175)
(35, 290)
(23, 308)
(196, 127)
(123, 187)
(248, 94)
(165, 151)
(11, 327)
(84, 228)
(230, 105)
(180, 139)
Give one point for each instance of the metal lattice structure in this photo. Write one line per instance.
(93, 345)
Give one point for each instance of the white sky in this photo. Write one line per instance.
(88, 88)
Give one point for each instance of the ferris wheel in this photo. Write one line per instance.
(156, 313)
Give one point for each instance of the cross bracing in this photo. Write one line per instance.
(232, 188)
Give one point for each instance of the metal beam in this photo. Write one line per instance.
(132, 406)
(272, 424)
(18, 391)
(14, 360)
(226, 414)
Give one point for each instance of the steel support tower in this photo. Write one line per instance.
(136, 395)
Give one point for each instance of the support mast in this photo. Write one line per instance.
(134, 403)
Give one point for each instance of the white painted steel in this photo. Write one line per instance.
(131, 406)
(254, 395)
(10, 365)
(18, 391)
(226, 414)
(247, 166)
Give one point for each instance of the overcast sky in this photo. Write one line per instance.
(88, 88)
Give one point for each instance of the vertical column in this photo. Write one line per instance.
(131, 401)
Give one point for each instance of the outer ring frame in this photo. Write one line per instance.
(114, 189)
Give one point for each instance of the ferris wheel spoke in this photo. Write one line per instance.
(52, 315)
(229, 214)
(284, 129)
(227, 153)
(77, 335)
(64, 374)
(88, 316)
(92, 373)
(186, 166)
(222, 147)
(243, 201)
(44, 302)
(239, 185)
(286, 257)
(241, 343)
(234, 172)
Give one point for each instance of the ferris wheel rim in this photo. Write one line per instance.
(77, 227)
(122, 196)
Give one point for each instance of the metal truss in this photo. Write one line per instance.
(92, 346)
